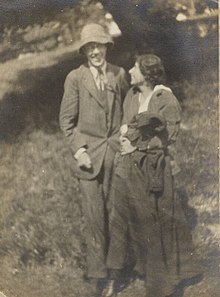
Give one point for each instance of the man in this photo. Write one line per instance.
(90, 117)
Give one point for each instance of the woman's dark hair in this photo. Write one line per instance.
(152, 68)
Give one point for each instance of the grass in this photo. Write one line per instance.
(42, 249)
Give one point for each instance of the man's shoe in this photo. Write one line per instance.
(109, 290)
(97, 287)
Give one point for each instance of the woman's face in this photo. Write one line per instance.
(137, 77)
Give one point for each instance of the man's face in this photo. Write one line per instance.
(137, 77)
(95, 53)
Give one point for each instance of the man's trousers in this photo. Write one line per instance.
(95, 206)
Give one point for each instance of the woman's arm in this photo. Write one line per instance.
(168, 107)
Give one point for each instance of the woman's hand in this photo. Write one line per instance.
(126, 146)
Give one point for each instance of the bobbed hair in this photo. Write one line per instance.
(152, 68)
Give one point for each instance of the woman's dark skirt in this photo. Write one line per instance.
(150, 223)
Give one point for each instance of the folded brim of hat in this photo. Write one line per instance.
(78, 45)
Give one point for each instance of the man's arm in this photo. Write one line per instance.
(69, 114)
(69, 111)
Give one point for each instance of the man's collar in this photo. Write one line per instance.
(94, 69)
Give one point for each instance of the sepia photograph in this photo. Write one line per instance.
(109, 148)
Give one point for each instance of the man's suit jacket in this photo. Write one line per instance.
(83, 117)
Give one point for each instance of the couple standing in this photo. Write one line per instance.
(131, 210)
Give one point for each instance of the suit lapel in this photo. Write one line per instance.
(151, 104)
(111, 88)
(89, 84)
(135, 103)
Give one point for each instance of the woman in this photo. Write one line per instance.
(145, 212)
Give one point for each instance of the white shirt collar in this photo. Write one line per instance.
(94, 70)
(143, 106)
(162, 87)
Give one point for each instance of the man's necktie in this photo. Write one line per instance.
(102, 79)
(102, 88)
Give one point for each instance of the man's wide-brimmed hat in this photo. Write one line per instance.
(93, 33)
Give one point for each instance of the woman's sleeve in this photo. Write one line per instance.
(171, 112)
(169, 108)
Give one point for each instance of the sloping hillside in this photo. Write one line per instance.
(42, 246)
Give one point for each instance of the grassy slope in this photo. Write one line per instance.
(41, 245)
(40, 212)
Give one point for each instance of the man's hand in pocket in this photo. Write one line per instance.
(84, 161)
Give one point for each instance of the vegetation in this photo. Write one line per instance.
(42, 246)
(44, 27)
(156, 26)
